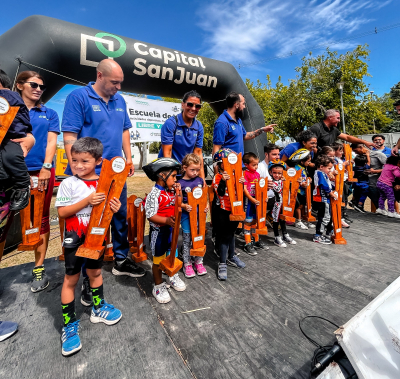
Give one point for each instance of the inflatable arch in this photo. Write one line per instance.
(74, 51)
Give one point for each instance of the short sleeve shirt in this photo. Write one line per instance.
(159, 202)
(88, 115)
(229, 133)
(292, 148)
(387, 151)
(378, 159)
(263, 171)
(71, 191)
(223, 201)
(43, 120)
(182, 138)
(21, 124)
(188, 185)
(325, 136)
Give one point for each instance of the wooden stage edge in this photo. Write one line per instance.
(246, 327)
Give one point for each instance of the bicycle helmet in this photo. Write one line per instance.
(153, 169)
(299, 156)
(222, 153)
(276, 163)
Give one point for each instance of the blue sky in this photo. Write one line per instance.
(239, 31)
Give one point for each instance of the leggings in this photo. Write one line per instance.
(324, 223)
(386, 192)
(275, 225)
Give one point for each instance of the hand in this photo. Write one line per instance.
(365, 151)
(254, 201)
(206, 209)
(372, 171)
(370, 145)
(186, 207)
(115, 204)
(395, 150)
(177, 186)
(268, 128)
(225, 176)
(304, 184)
(96, 198)
(270, 184)
(397, 187)
(26, 143)
(44, 178)
(241, 180)
(333, 195)
(170, 221)
(132, 169)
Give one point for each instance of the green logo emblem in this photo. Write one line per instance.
(108, 53)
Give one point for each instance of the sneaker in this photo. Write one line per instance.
(347, 219)
(358, 208)
(345, 224)
(235, 262)
(107, 313)
(40, 281)
(188, 270)
(20, 199)
(393, 215)
(222, 271)
(86, 294)
(249, 249)
(199, 268)
(396, 215)
(129, 268)
(310, 225)
(71, 343)
(322, 239)
(382, 212)
(7, 329)
(289, 240)
(279, 242)
(299, 224)
(161, 294)
(176, 283)
(260, 245)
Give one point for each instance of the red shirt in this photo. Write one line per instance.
(224, 201)
(160, 202)
(250, 179)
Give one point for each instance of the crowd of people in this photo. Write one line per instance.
(95, 126)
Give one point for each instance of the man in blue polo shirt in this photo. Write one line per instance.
(98, 111)
(379, 141)
(229, 131)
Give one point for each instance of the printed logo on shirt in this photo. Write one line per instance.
(188, 189)
(68, 240)
(43, 117)
(96, 108)
(179, 133)
(63, 199)
(194, 134)
(233, 127)
(119, 109)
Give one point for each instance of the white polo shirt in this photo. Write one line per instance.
(263, 171)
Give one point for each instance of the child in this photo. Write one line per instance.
(191, 164)
(75, 199)
(322, 194)
(360, 188)
(224, 227)
(275, 169)
(390, 171)
(12, 161)
(251, 176)
(301, 159)
(160, 206)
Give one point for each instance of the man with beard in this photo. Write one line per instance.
(229, 131)
(379, 141)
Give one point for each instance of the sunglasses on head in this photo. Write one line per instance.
(34, 85)
(191, 105)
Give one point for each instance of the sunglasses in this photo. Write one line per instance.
(34, 85)
(191, 105)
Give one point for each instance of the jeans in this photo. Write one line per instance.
(119, 228)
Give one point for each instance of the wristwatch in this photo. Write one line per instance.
(47, 165)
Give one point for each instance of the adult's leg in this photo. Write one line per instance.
(373, 194)
(119, 228)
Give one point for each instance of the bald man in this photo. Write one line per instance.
(98, 111)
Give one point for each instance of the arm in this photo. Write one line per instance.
(70, 210)
(256, 133)
(167, 150)
(395, 150)
(69, 140)
(26, 143)
(251, 198)
(351, 139)
(126, 147)
(44, 175)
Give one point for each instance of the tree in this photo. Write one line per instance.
(142, 147)
(392, 114)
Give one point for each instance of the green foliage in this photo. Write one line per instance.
(395, 125)
(154, 147)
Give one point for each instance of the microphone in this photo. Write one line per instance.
(327, 358)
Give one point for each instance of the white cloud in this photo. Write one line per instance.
(242, 31)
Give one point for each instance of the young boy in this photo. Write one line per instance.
(251, 176)
(322, 194)
(276, 168)
(75, 199)
(360, 188)
(159, 206)
(12, 161)
(224, 227)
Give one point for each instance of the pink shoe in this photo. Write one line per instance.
(188, 270)
(200, 269)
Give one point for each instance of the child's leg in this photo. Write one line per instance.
(186, 238)
(157, 274)
(283, 227)
(298, 213)
(68, 298)
(320, 217)
(247, 231)
(382, 194)
(275, 226)
(96, 286)
(390, 199)
(14, 164)
(254, 234)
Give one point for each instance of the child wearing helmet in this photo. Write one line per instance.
(223, 226)
(300, 160)
(275, 169)
(159, 206)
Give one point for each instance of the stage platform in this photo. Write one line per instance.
(248, 327)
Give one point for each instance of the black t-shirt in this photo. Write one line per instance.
(325, 136)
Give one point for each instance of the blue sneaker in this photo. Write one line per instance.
(235, 262)
(222, 271)
(107, 313)
(71, 343)
(7, 329)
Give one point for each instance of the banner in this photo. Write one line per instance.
(148, 116)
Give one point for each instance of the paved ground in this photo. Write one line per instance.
(248, 329)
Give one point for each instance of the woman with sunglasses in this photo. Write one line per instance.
(183, 134)
(45, 129)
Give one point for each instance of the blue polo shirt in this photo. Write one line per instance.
(229, 133)
(387, 151)
(88, 115)
(292, 148)
(43, 120)
(183, 139)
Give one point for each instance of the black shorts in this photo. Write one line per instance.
(73, 264)
(301, 200)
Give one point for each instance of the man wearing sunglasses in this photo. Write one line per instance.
(229, 131)
(183, 134)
